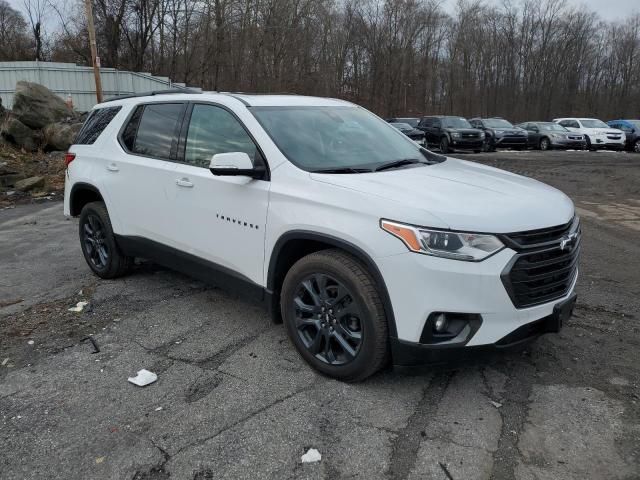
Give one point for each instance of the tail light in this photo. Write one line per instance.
(69, 157)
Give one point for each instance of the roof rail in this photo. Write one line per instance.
(152, 93)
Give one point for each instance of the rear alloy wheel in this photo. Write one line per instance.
(545, 144)
(334, 316)
(98, 242)
(636, 146)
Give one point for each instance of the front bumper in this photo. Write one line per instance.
(603, 141)
(420, 285)
(467, 144)
(406, 354)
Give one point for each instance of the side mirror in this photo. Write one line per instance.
(237, 164)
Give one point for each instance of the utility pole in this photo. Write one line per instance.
(94, 49)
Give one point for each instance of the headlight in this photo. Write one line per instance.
(443, 243)
(556, 135)
(482, 135)
(455, 135)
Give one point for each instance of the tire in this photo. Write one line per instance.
(313, 327)
(544, 144)
(477, 151)
(636, 146)
(444, 145)
(588, 141)
(98, 242)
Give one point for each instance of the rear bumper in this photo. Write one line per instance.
(409, 354)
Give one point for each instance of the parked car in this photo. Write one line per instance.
(413, 121)
(499, 133)
(631, 129)
(548, 135)
(451, 133)
(413, 133)
(597, 134)
(358, 239)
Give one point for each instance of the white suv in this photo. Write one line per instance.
(369, 247)
(597, 134)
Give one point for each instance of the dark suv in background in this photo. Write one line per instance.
(631, 129)
(451, 133)
(499, 133)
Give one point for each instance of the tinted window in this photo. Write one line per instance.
(129, 133)
(426, 122)
(497, 123)
(214, 130)
(455, 122)
(157, 134)
(95, 124)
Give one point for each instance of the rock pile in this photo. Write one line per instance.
(39, 120)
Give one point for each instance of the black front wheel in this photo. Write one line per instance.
(98, 242)
(636, 146)
(444, 145)
(334, 315)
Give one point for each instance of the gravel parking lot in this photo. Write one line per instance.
(234, 400)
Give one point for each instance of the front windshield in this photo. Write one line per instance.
(455, 122)
(553, 126)
(323, 138)
(591, 123)
(497, 123)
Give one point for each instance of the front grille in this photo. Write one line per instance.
(542, 271)
(614, 137)
(470, 135)
(575, 137)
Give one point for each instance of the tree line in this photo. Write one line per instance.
(524, 60)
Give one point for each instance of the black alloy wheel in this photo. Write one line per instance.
(636, 146)
(444, 145)
(94, 243)
(328, 319)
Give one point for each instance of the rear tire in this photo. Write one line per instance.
(334, 316)
(636, 146)
(98, 242)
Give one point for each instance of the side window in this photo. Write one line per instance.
(437, 123)
(95, 124)
(158, 128)
(214, 130)
(566, 123)
(129, 132)
(574, 124)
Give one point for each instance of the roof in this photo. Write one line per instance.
(250, 100)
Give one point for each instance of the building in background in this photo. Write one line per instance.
(77, 82)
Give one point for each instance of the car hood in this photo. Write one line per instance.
(463, 195)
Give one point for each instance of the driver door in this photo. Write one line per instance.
(220, 219)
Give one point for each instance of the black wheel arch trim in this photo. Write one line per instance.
(335, 242)
(82, 186)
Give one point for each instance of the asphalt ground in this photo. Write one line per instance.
(234, 400)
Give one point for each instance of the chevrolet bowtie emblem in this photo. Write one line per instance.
(567, 242)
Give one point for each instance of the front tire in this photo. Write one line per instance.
(636, 146)
(588, 142)
(98, 242)
(334, 316)
(545, 144)
(444, 145)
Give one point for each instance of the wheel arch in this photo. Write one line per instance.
(81, 194)
(294, 245)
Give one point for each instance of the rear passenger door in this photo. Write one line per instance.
(140, 178)
(220, 219)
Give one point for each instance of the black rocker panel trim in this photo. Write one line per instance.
(337, 243)
(192, 265)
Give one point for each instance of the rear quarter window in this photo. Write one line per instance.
(95, 124)
(153, 130)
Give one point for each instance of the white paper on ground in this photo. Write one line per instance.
(311, 456)
(143, 378)
(79, 307)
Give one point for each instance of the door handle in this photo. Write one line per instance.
(112, 167)
(184, 182)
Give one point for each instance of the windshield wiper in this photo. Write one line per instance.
(342, 170)
(399, 163)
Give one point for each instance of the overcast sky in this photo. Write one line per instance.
(607, 9)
